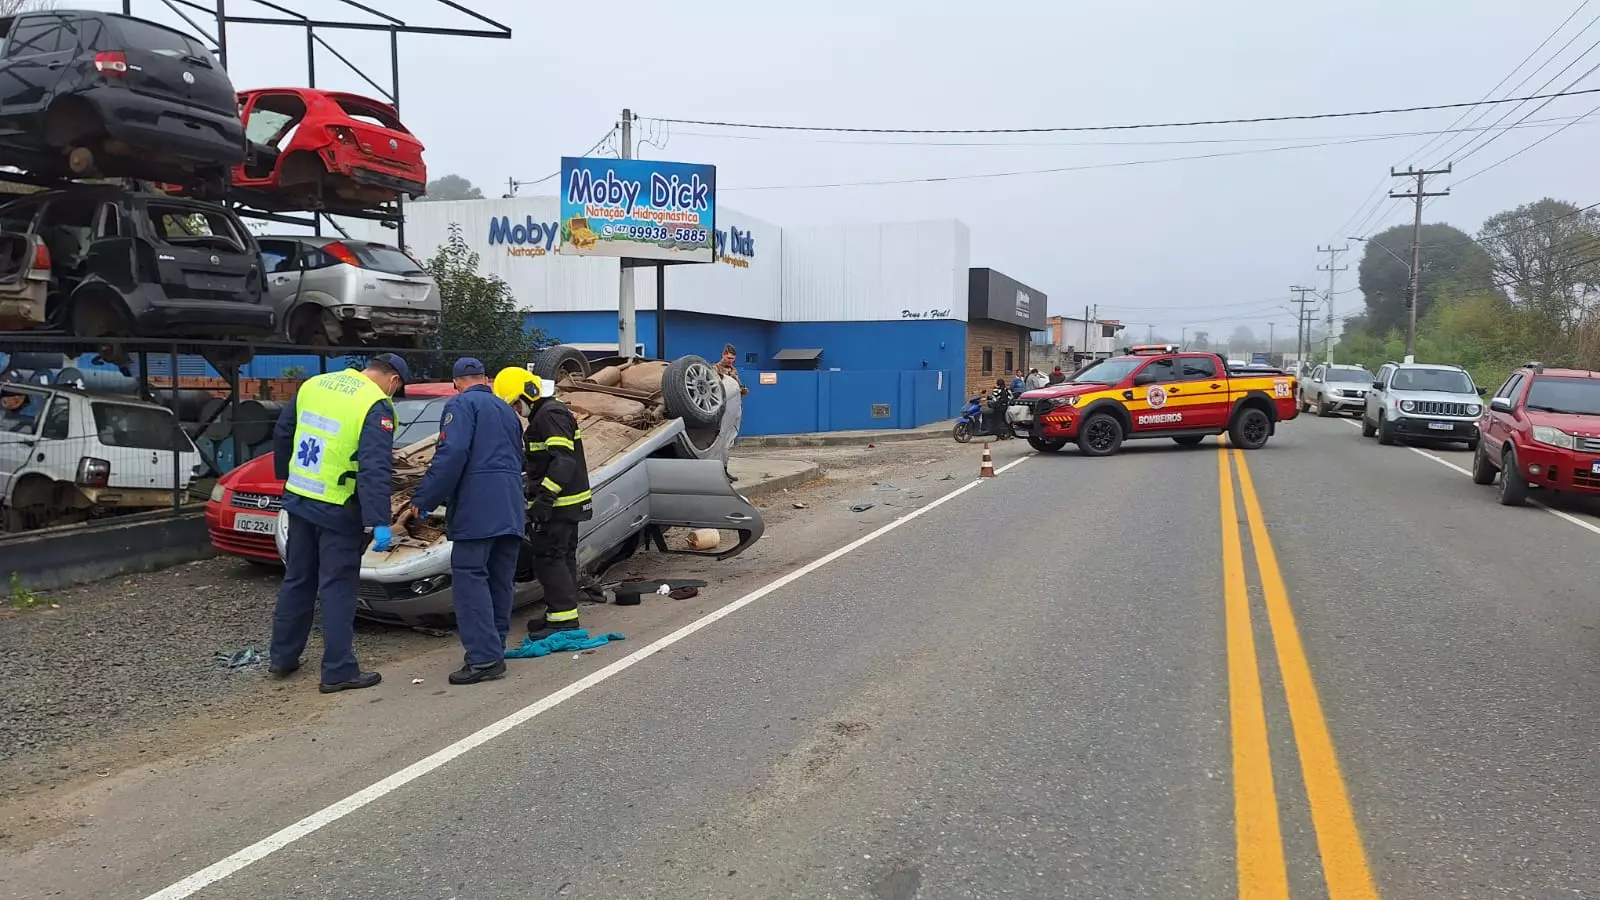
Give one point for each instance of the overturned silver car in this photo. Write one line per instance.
(654, 467)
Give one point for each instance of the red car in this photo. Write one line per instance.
(312, 149)
(1542, 429)
(242, 514)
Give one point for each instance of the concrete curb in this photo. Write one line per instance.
(62, 557)
(843, 438)
(780, 482)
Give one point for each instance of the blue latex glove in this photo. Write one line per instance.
(382, 538)
(422, 514)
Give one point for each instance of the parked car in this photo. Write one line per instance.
(24, 281)
(1419, 400)
(313, 149)
(128, 264)
(1541, 430)
(1155, 391)
(68, 456)
(1333, 389)
(329, 292)
(86, 93)
(242, 514)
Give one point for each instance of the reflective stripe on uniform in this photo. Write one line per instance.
(307, 484)
(550, 486)
(558, 441)
(571, 499)
(570, 615)
(536, 446)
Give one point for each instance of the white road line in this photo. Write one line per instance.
(1560, 514)
(328, 815)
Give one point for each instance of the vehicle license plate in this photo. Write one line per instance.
(1594, 467)
(255, 524)
(1441, 426)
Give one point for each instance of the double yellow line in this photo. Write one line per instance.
(1262, 869)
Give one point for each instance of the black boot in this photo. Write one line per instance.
(538, 629)
(471, 674)
(363, 680)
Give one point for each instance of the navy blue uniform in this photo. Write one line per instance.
(477, 474)
(325, 545)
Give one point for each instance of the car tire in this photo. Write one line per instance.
(1322, 409)
(1250, 429)
(692, 391)
(1046, 445)
(1100, 435)
(1367, 428)
(1304, 406)
(1385, 431)
(1188, 440)
(1483, 471)
(561, 361)
(1513, 485)
(962, 432)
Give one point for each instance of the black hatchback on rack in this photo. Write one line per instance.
(92, 94)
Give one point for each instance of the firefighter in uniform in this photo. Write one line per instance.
(334, 448)
(477, 474)
(555, 479)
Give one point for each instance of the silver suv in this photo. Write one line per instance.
(1335, 389)
(1416, 400)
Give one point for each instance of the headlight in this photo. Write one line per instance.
(216, 492)
(1553, 437)
(1407, 406)
(1473, 409)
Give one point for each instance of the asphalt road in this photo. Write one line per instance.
(1325, 668)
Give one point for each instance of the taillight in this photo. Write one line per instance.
(93, 472)
(111, 63)
(342, 134)
(41, 258)
(339, 251)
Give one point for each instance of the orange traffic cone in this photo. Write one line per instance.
(988, 463)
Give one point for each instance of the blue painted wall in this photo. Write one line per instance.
(802, 402)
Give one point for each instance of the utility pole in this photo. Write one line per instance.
(1413, 292)
(1270, 327)
(1302, 339)
(627, 320)
(1333, 274)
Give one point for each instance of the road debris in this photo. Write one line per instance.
(239, 659)
(416, 681)
(862, 507)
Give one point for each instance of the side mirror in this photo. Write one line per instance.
(1500, 404)
(1483, 391)
(1377, 385)
(1145, 378)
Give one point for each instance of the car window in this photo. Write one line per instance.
(417, 419)
(46, 33)
(19, 410)
(19, 216)
(57, 420)
(264, 125)
(1198, 368)
(1162, 369)
(383, 258)
(92, 34)
(67, 228)
(1509, 389)
(1348, 375)
(279, 256)
(153, 38)
(1574, 396)
(1106, 371)
(182, 223)
(1383, 374)
(1445, 380)
(370, 113)
(137, 427)
(1316, 374)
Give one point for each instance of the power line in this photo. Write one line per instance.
(515, 184)
(712, 123)
(1507, 159)
(1498, 135)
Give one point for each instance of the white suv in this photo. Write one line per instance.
(66, 456)
(1415, 400)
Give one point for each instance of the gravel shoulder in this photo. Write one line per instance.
(120, 673)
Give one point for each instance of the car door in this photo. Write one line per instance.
(695, 493)
(1311, 386)
(1375, 396)
(1499, 423)
(38, 49)
(19, 432)
(1201, 394)
(1156, 401)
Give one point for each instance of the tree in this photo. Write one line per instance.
(12, 7)
(1451, 263)
(452, 187)
(1243, 340)
(1202, 341)
(1547, 254)
(478, 313)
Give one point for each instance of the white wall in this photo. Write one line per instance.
(747, 285)
(856, 273)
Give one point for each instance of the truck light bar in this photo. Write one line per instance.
(1143, 349)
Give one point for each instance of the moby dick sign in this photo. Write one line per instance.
(638, 208)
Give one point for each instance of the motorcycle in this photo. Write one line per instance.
(971, 423)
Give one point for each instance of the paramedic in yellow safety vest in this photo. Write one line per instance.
(555, 479)
(334, 448)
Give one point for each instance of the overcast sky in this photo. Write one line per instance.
(1209, 243)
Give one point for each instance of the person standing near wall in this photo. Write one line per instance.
(733, 412)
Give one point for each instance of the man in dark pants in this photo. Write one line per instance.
(555, 479)
(334, 448)
(477, 474)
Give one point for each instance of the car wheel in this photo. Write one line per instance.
(1513, 484)
(1250, 429)
(1100, 435)
(1188, 440)
(1304, 406)
(1366, 427)
(692, 391)
(561, 361)
(1046, 445)
(962, 432)
(1322, 409)
(1385, 431)
(1482, 470)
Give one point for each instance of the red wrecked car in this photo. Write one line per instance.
(327, 150)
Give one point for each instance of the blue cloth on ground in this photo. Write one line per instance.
(562, 642)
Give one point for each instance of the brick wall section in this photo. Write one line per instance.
(999, 337)
(279, 389)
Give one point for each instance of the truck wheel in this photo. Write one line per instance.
(1250, 429)
(1482, 470)
(692, 391)
(1513, 484)
(1385, 431)
(1100, 435)
(1046, 445)
(560, 361)
(1189, 440)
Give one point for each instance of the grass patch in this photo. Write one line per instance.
(21, 597)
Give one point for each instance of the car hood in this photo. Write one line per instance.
(255, 476)
(1582, 426)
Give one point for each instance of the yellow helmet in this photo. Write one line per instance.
(512, 384)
